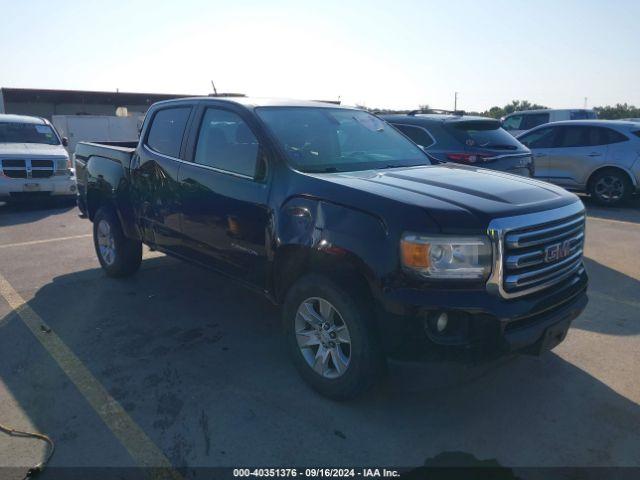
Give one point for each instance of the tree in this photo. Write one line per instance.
(620, 110)
(514, 106)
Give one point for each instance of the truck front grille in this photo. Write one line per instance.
(27, 168)
(540, 256)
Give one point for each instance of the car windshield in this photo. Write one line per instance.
(15, 132)
(339, 139)
(484, 134)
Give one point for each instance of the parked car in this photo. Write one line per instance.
(520, 122)
(33, 160)
(336, 216)
(455, 137)
(600, 157)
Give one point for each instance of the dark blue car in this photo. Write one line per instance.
(456, 137)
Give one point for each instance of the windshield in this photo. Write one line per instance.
(484, 134)
(27, 133)
(339, 140)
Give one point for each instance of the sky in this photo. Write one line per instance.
(380, 54)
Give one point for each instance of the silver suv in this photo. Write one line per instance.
(600, 157)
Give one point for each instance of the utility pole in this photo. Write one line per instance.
(215, 92)
(455, 101)
(585, 102)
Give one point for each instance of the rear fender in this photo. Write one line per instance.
(108, 183)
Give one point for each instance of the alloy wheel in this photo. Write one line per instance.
(609, 188)
(106, 243)
(323, 337)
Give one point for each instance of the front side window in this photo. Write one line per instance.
(512, 123)
(226, 142)
(533, 120)
(15, 132)
(167, 129)
(317, 139)
(417, 134)
(542, 138)
(572, 137)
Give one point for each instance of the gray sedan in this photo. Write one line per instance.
(600, 157)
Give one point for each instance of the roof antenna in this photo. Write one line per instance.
(215, 92)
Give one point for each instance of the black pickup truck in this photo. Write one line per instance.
(372, 249)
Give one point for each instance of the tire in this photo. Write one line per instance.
(123, 256)
(365, 363)
(610, 187)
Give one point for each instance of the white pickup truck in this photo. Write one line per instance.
(33, 160)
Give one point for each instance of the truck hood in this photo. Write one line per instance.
(30, 150)
(458, 197)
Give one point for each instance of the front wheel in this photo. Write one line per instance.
(119, 256)
(331, 338)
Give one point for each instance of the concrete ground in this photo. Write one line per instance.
(177, 364)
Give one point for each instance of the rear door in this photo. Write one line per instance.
(154, 175)
(576, 148)
(224, 194)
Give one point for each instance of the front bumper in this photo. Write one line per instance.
(482, 325)
(56, 185)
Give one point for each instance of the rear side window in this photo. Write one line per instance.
(604, 136)
(483, 134)
(532, 120)
(167, 129)
(226, 142)
(582, 115)
(419, 135)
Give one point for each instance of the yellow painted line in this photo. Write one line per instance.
(144, 452)
(38, 242)
(611, 298)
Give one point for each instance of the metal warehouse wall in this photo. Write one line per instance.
(47, 110)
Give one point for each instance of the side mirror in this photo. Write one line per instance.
(65, 142)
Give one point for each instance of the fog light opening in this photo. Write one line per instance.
(442, 322)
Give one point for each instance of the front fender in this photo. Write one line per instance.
(342, 235)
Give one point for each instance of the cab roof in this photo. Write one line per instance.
(254, 102)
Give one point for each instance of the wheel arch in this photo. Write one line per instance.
(610, 167)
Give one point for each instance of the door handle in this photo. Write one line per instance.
(538, 155)
(594, 154)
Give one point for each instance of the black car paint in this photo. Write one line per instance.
(261, 231)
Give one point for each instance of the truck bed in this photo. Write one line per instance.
(119, 151)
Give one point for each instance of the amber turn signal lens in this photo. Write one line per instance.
(415, 254)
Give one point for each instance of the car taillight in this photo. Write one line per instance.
(469, 158)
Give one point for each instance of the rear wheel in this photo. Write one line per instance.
(119, 256)
(610, 187)
(331, 338)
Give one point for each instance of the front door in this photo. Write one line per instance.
(154, 176)
(224, 194)
(540, 142)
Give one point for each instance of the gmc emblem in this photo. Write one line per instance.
(557, 251)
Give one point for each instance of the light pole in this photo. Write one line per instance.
(455, 101)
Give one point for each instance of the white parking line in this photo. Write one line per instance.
(47, 240)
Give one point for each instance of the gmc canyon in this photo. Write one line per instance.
(371, 249)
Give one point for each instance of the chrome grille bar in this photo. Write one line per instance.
(536, 251)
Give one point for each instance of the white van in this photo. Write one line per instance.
(519, 122)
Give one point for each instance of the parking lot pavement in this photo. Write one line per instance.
(197, 364)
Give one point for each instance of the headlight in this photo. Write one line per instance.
(444, 257)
